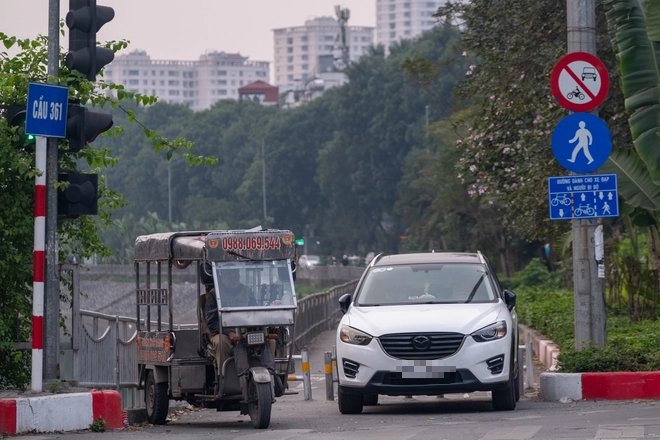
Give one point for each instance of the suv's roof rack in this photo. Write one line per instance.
(376, 258)
(481, 257)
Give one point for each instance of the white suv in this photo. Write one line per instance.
(427, 324)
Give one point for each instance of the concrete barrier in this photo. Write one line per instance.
(606, 386)
(61, 412)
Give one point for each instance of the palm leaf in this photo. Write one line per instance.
(633, 178)
(634, 28)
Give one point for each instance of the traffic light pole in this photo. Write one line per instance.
(52, 297)
(588, 287)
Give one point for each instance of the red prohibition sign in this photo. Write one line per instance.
(579, 82)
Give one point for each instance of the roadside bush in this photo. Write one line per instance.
(547, 311)
(535, 273)
(631, 346)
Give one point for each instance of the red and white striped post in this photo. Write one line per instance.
(39, 264)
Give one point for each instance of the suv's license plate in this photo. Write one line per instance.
(423, 369)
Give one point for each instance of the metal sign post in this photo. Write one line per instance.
(590, 320)
(46, 118)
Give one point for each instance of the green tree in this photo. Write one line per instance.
(380, 118)
(511, 115)
(17, 178)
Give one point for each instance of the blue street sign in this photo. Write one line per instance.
(46, 110)
(581, 142)
(575, 197)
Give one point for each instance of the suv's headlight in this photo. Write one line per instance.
(490, 332)
(350, 335)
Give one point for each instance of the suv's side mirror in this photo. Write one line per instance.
(509, 299)
(345, 302)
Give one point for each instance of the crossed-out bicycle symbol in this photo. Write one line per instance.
(576, 94)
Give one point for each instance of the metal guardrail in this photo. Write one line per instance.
(105, 346)
(319, 312)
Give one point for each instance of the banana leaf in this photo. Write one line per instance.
(635, 184)
(634, 30)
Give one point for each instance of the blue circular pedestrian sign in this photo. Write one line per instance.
(581, 142)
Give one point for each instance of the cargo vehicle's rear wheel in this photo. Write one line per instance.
(261, 403)
(156, 400)
(349, 403)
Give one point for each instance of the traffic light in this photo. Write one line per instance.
(84, 19)
(16, 115)
(83, 126)
(300, 241)
(80, 197)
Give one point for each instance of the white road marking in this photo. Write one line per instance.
(517, 433)
(618, 431)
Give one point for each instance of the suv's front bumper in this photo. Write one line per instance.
(392, 384)
(371, 370)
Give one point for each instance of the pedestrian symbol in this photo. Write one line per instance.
(581, 142)
(584, 139)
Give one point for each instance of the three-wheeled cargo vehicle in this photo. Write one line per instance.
(180, 362)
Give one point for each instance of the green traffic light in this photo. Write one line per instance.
(300, 241)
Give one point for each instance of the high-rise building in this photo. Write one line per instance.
(403, 19)
(297, 49)
(197, 84)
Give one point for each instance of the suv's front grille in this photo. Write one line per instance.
(421, 345)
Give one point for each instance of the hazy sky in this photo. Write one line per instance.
(185, 29)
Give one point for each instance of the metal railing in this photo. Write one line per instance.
(319, 312)
(105, 346)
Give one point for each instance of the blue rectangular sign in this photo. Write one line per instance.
(589, 196)
(46, 110)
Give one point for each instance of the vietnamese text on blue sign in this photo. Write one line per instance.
(590, 196)
(46, 110)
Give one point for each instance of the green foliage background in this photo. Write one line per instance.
(542, 306)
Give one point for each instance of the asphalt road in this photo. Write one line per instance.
(451, 417)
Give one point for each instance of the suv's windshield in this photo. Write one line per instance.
(426, 283)
(254, 284)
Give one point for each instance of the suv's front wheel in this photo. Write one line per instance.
(505, 399)
(349, 403)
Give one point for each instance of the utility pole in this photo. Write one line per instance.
(263, 178)
(342, 18)
(52, 299)
(588, 287)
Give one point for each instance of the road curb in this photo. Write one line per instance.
(607, 386)
(61, 412)
(556, 386)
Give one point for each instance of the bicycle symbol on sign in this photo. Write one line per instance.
(576, 94)
(560, 199)
(584, 210)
